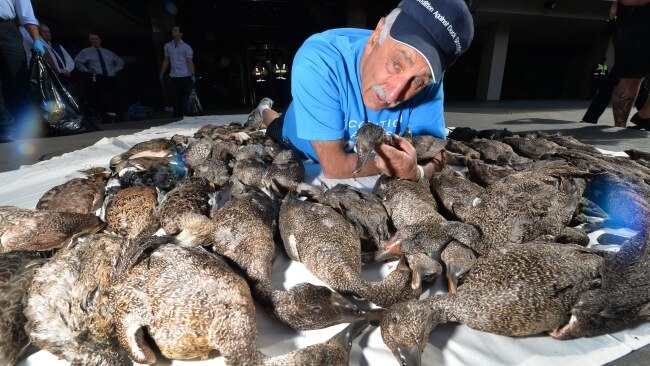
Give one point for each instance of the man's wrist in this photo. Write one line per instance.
(420, 173)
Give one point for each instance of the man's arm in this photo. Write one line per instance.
(69, 62)
(337, 164)
(165, 65)
(190, 65)
(80, 62)
(118, 62)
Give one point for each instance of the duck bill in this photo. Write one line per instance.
(408, 356)
(452, 279)
(392, 249)
(349, 333)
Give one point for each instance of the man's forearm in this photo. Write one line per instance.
(32, 29)
(337, 164)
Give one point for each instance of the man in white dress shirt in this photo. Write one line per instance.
(63, 63)
(179, 55)
(100, 66)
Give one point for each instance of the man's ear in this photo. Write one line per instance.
(375, 35)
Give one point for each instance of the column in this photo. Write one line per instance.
(493, 61)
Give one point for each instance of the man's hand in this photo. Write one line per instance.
(399, 161)
(91, 71)
(37, 46)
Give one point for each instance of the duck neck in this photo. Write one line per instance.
(439, 309)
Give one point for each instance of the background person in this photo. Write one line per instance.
(14, 94)
(100, 67)
(179, 55)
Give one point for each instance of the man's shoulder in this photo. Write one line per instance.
(332, 45)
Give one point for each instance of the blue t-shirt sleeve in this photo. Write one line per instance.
(427, 114)
(316, 99)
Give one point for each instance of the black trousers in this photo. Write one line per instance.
(604, 95)
(103, 93)
(181, 88)
(14, 95)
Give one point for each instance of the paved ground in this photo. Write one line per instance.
(518, 116)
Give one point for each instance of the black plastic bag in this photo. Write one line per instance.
(59, 109)
(193, 104)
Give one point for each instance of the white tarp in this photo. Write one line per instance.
(450, 345)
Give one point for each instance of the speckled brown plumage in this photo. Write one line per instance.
(496, 152)
(198, 151)
(334, 352)
(454, 191)
(329, 247)
(37, 230)
(190, 198)
(570, 143)
(214, 169)
(427, 147)
(152, 148)
(80, 195)
(16, 272)
(190, 302)
(243, 231)
(532, 147)
(519, 291)
(363, 210)
(68, 310)
(622, 298)
(408, 203)
(132, 212)
(284, 174)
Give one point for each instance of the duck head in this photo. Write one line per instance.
(405, 330)
(319, 307)
(367, 137)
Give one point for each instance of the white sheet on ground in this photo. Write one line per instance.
(450, 345)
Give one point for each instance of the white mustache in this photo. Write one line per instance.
(381, 92)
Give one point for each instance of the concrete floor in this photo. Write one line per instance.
(517, 116)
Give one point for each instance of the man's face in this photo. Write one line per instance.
(45, 33)
(176, 33)
(391, 72)
(95, 41)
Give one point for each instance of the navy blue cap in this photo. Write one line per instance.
(440, 30)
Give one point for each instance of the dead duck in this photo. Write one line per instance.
(334, 352)
(366, 139)
(214, 169)
(38, 230)
(80, 195)
(132, 212)
(16, 272)
(68, 309)
(455, 192)
(187, 204)
(198, 151)
(640, 157)
(520, 291)
(532, 147)
(156, 148)
(569, 142)
(171, 278)
(365, 211)
(329, 247)
(243, 231)
(622, 298)
(284, 174)
(496, 152)
(625, 199)
(407, 202)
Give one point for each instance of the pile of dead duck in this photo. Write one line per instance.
(166, 252)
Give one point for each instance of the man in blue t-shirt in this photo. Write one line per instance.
(391, 77)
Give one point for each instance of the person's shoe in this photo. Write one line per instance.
(640, 121)
(584, 121)
(6, 137)
(255, 117)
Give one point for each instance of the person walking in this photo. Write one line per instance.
(178, 57)
(632, 60)
(14, 105)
